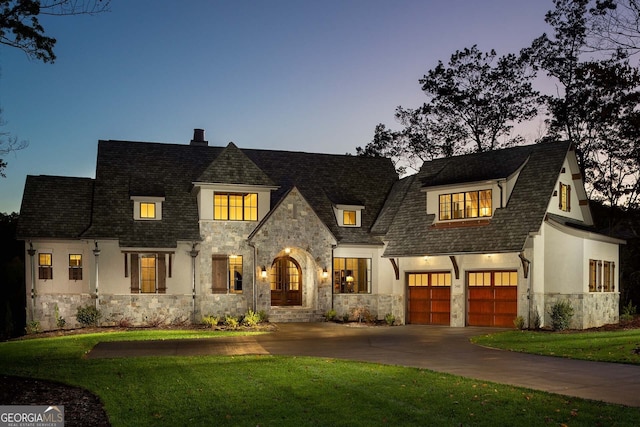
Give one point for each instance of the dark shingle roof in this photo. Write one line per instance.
(232, 166)
(55, 207)
(411, 232)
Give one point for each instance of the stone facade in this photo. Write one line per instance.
(589, 310)
(44, 310)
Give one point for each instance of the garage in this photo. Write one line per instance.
(492, 298)
(429, 298)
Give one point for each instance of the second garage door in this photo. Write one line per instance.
(492, 298)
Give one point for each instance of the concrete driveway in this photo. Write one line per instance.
(438, 348)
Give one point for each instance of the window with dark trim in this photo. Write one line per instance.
(565, 197)
(148, 273)
(227, 274)
(469, 204)
(75, 267)
(235, 206)
(45, 266)
(352, 275)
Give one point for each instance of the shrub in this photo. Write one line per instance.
(251, 319)
(88, 316)
(60, 322)
(32, 327)
(361, 313)
(231, 321)
(537, 321)
(345, 317)
(561, 314)
(390, 319)
(264, 317)
(519, 322)
(628, 312)
(211, 321)
(330, 315)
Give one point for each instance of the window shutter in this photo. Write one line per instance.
(568, 198)
(162, 274)
(135, 281)
(219, 274)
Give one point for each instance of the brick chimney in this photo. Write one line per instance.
(198, 138)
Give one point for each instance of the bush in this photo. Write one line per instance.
(537, 321)
(519, 322)
(88, 316)
(264, 317)
(231, 322)
(561, 314)
(390, 319)
(330, 315)
(251, 319)
(628, 312)
(60, 322)
(211, 321)
(32, 327)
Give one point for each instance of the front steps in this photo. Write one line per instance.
(294, 314)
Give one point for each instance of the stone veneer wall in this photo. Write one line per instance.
(589, 310)
(45, 308)
(145, 309)
(378, 305)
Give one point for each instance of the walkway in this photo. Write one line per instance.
(442, 349)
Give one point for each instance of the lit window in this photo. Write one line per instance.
(349, 217)
(470, 204)
(352, 275)
(75, 267)
(565, 197)
(147, 210)
(45, 267)
(235, 207)
(148, 274)
(492, 278)
(429, 279)
(235, 273)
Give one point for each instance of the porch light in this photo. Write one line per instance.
(263, 272)
(287, 250)
(325, 273)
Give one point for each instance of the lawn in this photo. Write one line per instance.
(612, 346)
(296, 391)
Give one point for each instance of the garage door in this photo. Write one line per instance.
(429, 298)
(492, 298)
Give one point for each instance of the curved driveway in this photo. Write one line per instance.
(439, 348)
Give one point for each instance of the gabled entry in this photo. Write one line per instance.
(286, 282)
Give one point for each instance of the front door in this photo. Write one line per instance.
(286, 282)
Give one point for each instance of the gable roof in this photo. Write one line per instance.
(55, 207)
(411, 232)
(125, 169)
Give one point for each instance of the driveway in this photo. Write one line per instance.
(438, 348)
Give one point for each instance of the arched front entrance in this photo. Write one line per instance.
(286, 282)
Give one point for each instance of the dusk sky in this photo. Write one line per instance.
(292, 75)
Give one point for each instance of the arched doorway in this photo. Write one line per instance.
(286, 282)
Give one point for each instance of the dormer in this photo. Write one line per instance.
(348, 215)
(569, 198)
(147, 208)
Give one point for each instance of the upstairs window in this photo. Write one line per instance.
(470, 204)
(75, 267)
(147, 210)
(565, 197)
(45, 266)
(349, 217)
(235, 206)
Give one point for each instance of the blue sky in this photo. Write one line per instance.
(275, 74)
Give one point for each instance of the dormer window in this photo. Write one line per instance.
(470, 204)
(235, 206)
(565, 198)
(147, 208)
(348, 215)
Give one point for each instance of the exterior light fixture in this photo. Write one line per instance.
(263, 272)
(349, 279)
(325, 273)
(287, 250)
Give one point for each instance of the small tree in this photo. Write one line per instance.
(561, 314)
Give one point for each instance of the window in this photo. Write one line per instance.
(75, 267)
(352, 275)
(492, 278)
(235, 207)
(148, 273)
(565, 197)
(430, 279)
(147, 210)
(470, 204)
(349, 217)
(226, 274)
(45, 268)
(601, 276)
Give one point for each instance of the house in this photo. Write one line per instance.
(169, 233)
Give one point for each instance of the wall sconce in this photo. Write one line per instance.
(287, 250)
(263, 272)
(325, 273)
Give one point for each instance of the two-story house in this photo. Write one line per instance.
(168, 233)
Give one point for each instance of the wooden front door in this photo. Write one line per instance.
(429, 298)
(493, 298)
(286, 282)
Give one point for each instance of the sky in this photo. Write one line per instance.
(296, 75)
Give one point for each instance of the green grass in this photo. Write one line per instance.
(611, 346)
(296, 391)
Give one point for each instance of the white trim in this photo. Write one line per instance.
(583, 233)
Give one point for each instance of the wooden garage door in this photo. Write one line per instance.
(429, 298)
(492, 298)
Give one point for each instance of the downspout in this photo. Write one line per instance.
(32, 253)
(526, 267)
(194, 253)
(253, 279)
(96, 253)
(333, 247)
